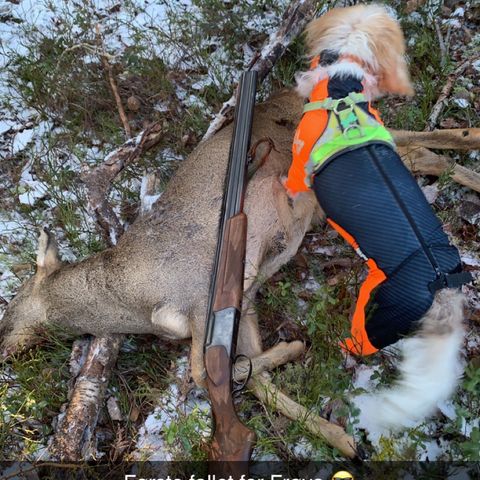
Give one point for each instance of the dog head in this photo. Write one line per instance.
(367, 33)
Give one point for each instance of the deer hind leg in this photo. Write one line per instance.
(197, 326)
(170, 323)
(249, 341)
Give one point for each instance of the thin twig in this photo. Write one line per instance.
(113, 85)
(441, 42)
(444, 94)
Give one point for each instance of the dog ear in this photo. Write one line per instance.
(388, 46)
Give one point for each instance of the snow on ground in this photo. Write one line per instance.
(151, 443)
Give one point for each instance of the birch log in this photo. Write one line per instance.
(74, 437)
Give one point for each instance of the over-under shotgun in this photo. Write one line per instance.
(232, 441)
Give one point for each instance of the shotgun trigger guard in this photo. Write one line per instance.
(239, 386)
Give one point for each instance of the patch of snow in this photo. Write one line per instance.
(311, 284)
(21, 140)
(162, 107)
(473, 341)
(34, 189)
(467, 427)
(392, 12)
(415, 17)
(459, 12)
(303, 449)
(431, 192)
(470, 260)
(448, 409)
(328, 250)
(432, 450)
(151, 444)
(476, 65)
(461, 102)
(362, 377)
(453, 22)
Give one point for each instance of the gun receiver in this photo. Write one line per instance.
(232, 441)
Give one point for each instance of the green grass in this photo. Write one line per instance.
(33, 390)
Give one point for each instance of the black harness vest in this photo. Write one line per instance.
(370, 194)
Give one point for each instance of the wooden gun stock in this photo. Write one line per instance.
(232, 441)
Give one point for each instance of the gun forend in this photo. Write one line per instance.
(229, 287)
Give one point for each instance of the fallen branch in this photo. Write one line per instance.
(454, 139)
(294, 20)
(99, 179)
(73, 441)
(444, 94)
(441, 42)
(269, 394)
(280, 354)
(424, 162)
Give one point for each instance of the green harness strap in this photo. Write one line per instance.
(348, 127)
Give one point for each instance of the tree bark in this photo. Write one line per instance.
(73, 441)
(452, 139)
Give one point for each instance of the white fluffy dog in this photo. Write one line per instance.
(368, 45)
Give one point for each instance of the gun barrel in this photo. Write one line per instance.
(226, 285)
(242, 131)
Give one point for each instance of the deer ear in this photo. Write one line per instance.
(47, 255)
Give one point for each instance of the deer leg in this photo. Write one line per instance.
(170, 323)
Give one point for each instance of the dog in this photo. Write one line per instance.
(343, 153)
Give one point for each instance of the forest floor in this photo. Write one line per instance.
(176, 62)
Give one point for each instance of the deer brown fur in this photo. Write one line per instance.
(156, 279)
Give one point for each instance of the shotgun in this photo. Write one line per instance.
(232, 441)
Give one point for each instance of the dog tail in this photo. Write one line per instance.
(429, 370)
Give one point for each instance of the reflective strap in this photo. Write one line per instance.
(321, 105)
(331, 104)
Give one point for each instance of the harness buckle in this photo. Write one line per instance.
(450, 280)
(349, 132)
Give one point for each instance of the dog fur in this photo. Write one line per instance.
(430, 365)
